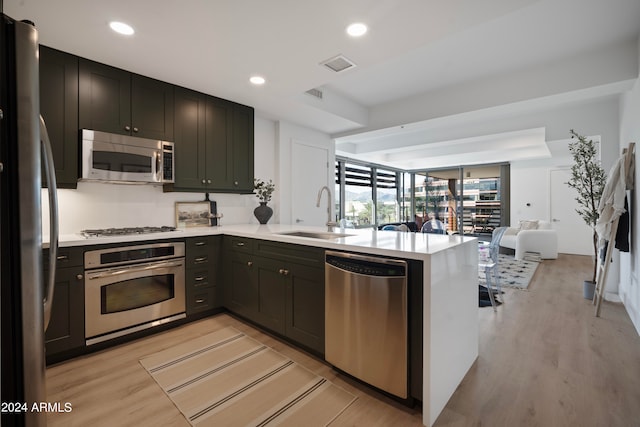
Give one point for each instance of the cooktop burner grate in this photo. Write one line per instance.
(125, 231)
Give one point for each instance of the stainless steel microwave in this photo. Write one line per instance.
(128, 159)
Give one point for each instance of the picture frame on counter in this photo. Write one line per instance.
(193, 214)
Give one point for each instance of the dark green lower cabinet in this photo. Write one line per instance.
(66, 327)
(200, 291)
(241, 288)
(305, 306)
(278, 294)
(270, 311)
(201, 274)
(290, 300)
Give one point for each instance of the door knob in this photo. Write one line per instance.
(127, 128)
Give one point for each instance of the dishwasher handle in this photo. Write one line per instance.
(366, 265)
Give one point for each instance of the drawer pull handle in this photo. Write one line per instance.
(199, 301)
(199, 279)
(201, 259)
(62, 257)
(283, 272)
(201, 243)
(240, 244)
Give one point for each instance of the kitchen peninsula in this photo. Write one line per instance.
(449, 294)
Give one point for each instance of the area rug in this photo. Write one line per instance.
(226, 378)
(512, 273)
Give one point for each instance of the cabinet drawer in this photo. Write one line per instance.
(241, 244)
(199, 260)
(199, 244)
(201, 300)
(67, 257)
(199, 279)
(201, 251)
(307, 255)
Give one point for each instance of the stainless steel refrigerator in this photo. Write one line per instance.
(25, 298)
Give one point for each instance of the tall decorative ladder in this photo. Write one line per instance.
(603, 264)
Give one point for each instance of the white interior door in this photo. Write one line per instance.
(309, 172)
(574, 235)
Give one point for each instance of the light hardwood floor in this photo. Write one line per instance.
(544, 360)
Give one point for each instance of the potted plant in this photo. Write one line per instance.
(263, 191)
(588, 179)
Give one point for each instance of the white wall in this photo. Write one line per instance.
(530, 179)
(629, 289)
(98, 205)
(286, 133)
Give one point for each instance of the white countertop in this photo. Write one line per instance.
(388, 243)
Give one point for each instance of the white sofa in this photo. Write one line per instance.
(532, 236)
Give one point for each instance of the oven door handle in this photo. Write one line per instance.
(133, 269)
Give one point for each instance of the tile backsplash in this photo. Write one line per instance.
(101, 205)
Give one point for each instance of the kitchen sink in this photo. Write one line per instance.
(316, 234)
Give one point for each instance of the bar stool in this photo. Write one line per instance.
(488, 263)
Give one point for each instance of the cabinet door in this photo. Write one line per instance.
(305, 306)
(242, 288)
(59, 108)
(152, 105)
(270, 311)
(189, 138)
(243, 154)
(218, 142)
(66, 327)
(105, 98)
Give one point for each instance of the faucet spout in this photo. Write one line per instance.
(320, 195)
(329, 222)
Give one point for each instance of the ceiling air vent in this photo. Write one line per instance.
(315, 92)
(338, 63)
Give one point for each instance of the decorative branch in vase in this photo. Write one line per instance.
(263, 191)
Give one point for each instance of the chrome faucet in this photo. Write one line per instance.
(329, 222)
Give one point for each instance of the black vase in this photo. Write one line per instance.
(263, 213)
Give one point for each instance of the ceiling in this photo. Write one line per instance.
(413, 48)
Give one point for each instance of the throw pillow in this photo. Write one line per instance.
(528, 224)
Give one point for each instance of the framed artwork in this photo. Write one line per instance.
(193, 214)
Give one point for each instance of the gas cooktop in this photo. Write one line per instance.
(107, 232)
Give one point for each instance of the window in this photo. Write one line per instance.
(368, 195)
(387, 206)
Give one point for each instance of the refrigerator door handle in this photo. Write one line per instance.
(50, 172)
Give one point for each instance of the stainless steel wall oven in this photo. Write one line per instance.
(133, 288)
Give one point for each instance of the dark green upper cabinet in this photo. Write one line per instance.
(116, 101)
(190, 149)
(243, 141)
(214, 144)
(219, 143)
(59, 108)
(152, 104)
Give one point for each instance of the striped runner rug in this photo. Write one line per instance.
(226, 378)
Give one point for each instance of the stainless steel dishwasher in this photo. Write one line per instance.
(366, 319)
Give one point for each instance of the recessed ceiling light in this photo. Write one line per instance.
(357, 29)
(121, 28)
(257, 80)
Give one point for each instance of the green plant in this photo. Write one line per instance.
(588, 179)
(263, 190)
